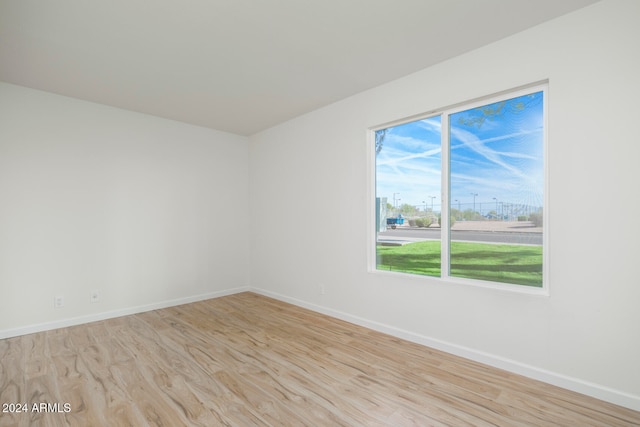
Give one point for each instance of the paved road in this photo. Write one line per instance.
(418, 234)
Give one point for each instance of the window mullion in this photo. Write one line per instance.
(444, 205)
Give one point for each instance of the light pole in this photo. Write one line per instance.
(474, 201)
(395, 201)
(459, 213)
(432, 197)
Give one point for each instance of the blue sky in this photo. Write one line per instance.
(497, 153)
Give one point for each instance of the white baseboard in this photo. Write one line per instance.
(574, 384)
(116, 313)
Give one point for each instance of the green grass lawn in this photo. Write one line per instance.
(521, 265)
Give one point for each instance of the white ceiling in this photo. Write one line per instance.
(243, 65)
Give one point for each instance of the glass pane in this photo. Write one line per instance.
(496, 191)
(408, 187)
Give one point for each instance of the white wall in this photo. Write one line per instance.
(148, 211)
(309, 201)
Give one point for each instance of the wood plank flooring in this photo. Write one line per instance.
(248, 360)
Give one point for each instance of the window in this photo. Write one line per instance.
(460, 194)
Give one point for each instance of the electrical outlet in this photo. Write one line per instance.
(58, 301)
(94, 296)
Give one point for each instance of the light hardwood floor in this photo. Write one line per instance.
(248, 360)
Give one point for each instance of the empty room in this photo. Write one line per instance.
(322, 213)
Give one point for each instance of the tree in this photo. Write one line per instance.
(408, 210)
(380, 135)
(477, 116)
(455, 213)
(471, 215)
(536, 218)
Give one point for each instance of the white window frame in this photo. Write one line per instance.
(445, 113)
